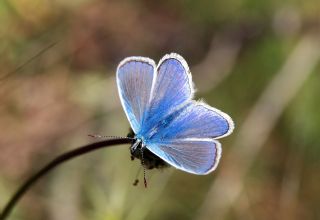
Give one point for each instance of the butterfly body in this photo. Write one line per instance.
(170, 127)
(139, 151)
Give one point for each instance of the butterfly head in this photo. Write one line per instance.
(140, 151)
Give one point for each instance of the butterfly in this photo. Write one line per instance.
(168, 126)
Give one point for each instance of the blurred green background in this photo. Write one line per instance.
(256, 60)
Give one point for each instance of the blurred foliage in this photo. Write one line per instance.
(57, 84)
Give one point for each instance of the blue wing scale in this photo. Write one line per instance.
(135, 76)
(196, 120)
(172, 89)
(193, 156)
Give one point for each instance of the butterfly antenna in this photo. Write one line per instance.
(144, 169)
(109, 137)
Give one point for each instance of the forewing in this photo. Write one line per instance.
(135, 77)
(196, 120)
(191, 155)
(171, 90)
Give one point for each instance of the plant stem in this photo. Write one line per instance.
(55, 162)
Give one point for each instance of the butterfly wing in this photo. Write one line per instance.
(135, 76)
(195, 120)
(172, 89)
(190, 155)
(186, 141)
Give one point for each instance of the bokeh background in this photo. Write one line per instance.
(256, 60)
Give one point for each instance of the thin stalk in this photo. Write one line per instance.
(54, 163)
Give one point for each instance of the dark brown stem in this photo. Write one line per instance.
(57, 161)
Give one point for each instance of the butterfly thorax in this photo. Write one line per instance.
(148, 159)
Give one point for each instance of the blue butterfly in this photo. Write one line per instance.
(169, 126)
